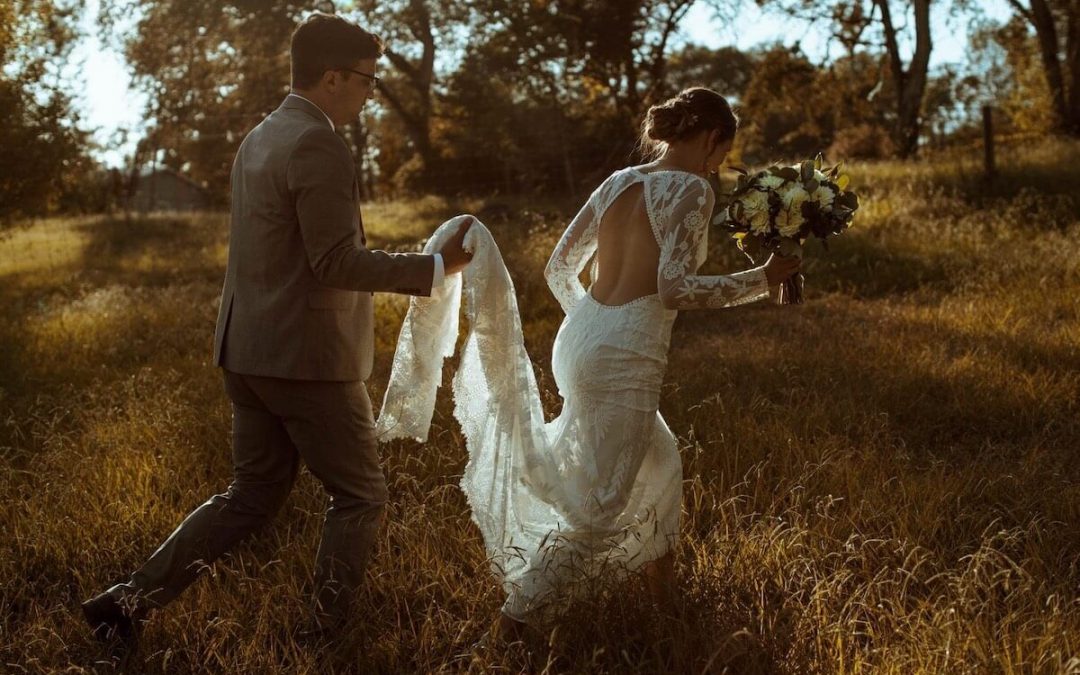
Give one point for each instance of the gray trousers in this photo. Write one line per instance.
(276, 423)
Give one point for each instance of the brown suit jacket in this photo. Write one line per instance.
(297, 301)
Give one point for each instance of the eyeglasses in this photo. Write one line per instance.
(374, 78)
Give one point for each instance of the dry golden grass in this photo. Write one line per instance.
(883, 480)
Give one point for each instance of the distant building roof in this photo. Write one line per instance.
(147, 171)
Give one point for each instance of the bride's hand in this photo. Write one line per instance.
(779, 269)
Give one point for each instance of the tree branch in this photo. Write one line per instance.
(402, 64)
(1023, 11)
(895, 64)
(679, 8)
(398, 106)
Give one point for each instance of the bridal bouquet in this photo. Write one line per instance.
(779, 208)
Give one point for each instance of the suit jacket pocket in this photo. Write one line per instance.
(331, 298)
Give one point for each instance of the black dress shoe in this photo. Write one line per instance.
(109, 619)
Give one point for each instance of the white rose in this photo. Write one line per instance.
(759, 222)
(770, 181)
(790, 218)
(820, 177)
(789, 221)
(794, 195)
(824, 196)
(755, 201)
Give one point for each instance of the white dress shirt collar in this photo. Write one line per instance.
(293, 93)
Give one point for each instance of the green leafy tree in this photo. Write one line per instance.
(510, 126)
(42, 149)
(551, 96)
(211, 70)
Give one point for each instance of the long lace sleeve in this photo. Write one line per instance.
(683, 249)
(572, 253)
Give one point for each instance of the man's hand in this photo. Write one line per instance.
(455, 258)
(779, 269)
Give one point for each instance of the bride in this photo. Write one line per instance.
(597, 490)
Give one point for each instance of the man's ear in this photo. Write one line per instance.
(330, 80)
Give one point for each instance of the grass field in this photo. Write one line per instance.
(886, 479)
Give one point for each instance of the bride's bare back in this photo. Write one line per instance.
(626, 252)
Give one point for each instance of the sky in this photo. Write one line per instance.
(104, 98)
(754, 26)
(108, 104)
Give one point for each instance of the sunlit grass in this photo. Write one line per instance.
(40, 246)
(882, 480)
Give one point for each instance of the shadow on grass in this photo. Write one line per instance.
(860, 265)
(947, 393)
(897, 395)
(155, 249)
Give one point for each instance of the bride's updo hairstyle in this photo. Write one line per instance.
(694, 110)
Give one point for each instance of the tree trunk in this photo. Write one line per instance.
(1046, 32)
(910, 84)
(1064, 96)
(417, 124)
(1072, 63)
(421, 78)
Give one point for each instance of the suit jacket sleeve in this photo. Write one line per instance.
(320, 178)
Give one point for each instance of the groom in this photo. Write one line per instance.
(295, 336)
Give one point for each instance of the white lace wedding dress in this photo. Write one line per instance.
(595, 491)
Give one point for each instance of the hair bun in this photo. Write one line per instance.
(694, 110)
(670, 121)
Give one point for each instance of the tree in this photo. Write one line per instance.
(619, 47)
(211, 69)
(782, 108)
(852, 24)
(1057, 28)
(41, 146)
(1004, 70)
(910, 82)
(414, 32)
(725, 70)
(546, 93)
(509, 126)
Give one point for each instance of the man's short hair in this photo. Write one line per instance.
(325, 42)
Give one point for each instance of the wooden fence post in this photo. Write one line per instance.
(988, 141)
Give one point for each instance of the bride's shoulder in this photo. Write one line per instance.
(675, 180)
(656, 170)
(620, 173)
(614, 179)
(697, 183)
